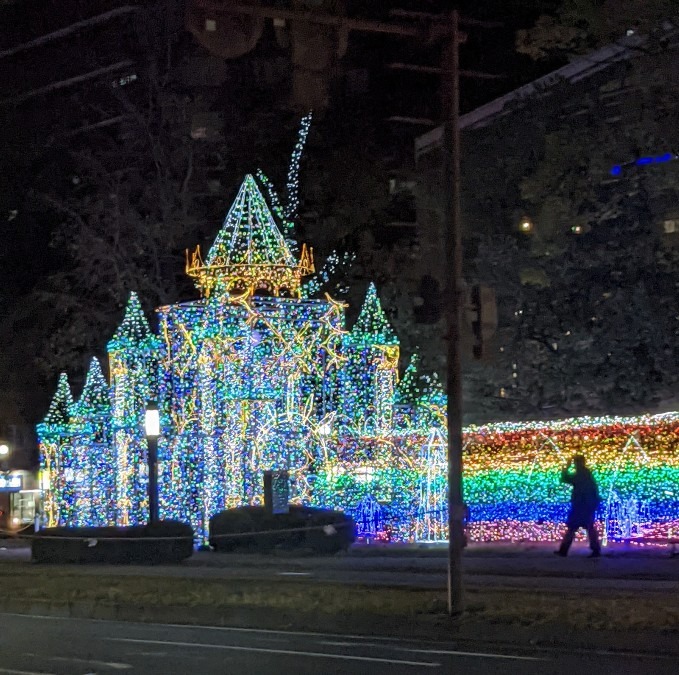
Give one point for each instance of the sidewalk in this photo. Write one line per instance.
(485, 566)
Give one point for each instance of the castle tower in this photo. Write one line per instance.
(133, 354)
(242, 364)
(56, 456)
(371, 373)
(93, 452)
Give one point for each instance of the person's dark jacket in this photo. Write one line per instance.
(584, 499)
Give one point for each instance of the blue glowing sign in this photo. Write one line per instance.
(10, 483)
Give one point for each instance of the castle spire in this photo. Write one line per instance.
(407, 390)
(134, 327)
(95, 396)
(249, 252)
(372, 325)
(59, 412)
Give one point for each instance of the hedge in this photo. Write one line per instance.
(317, 530)
(114, 545)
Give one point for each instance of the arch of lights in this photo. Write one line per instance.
(258, 375)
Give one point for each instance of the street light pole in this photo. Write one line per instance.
(453, 311)
(4, 454)
(152, 430)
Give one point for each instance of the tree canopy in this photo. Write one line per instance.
(593, 311)
(579, 26)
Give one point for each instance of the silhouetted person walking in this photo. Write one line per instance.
(584, 503)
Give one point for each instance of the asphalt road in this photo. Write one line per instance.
(53, 646)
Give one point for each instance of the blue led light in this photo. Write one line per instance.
(616, 170)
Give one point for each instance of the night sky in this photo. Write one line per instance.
(36, 130)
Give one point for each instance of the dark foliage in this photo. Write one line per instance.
(318, 530)
(114, 545)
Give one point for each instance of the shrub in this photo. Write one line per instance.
(318, 530)
(114, 545)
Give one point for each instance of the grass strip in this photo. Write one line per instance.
(613, 612)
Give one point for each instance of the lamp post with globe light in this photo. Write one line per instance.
(4, 498)
(4, 454)
(152, 431)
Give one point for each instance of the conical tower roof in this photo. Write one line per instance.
(249, 235)
(95, 397)
(249, 252)
(59, 412)
(372, 326)
(134, 328)
(407, 390)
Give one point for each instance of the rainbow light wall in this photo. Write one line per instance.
(512, 476)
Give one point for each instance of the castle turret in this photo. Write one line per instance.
(92, 449)
(56, 455)
(133, 361)
(407, 393)
(372, 370)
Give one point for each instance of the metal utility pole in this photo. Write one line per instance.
(426, 28)
(454, 299)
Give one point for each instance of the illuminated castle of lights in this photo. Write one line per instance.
(259, 375)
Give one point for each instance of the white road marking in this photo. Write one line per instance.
(445, 652)
(363, 638)
(482, 655)
(9, 671)
(194, 626)
(105, 664)
(287, 652)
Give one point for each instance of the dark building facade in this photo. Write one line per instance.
(619, 99)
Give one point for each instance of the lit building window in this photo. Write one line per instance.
(670, 226)
(526, 225)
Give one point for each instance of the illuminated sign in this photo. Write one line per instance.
(10, 483)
